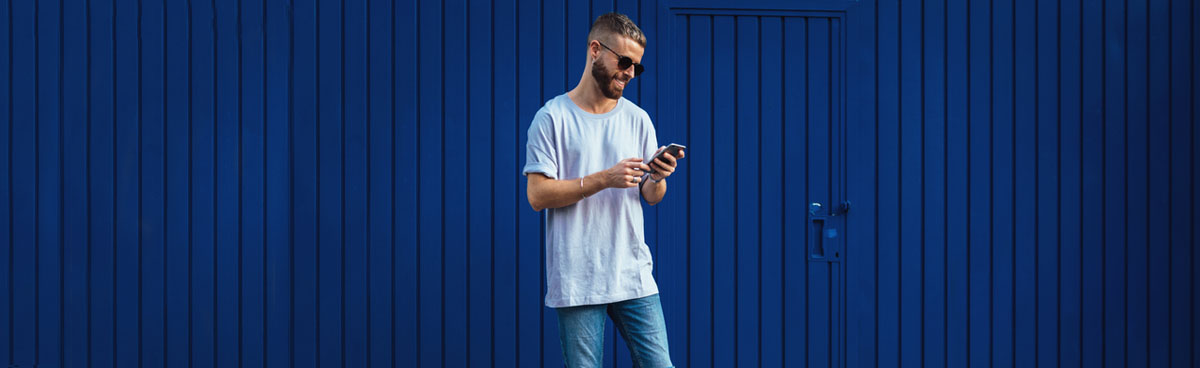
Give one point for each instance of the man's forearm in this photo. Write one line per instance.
(654, 192)
(550, 193)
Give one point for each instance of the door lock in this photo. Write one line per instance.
(815, 209)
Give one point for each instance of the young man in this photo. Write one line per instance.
(584, 163)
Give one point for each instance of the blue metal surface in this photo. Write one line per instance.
(336, 182)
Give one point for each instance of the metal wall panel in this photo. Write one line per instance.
(1034, 178)
(336, 183)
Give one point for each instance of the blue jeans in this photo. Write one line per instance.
(640, 321)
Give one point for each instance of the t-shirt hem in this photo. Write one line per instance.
(598, 299)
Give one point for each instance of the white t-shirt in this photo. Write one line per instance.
(596, 250)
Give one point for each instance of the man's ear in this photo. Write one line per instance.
(593, 49)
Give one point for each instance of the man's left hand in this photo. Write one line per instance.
(664, 166)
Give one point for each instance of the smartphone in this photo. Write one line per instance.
(673, 149)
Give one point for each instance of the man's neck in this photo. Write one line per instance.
(588, 97)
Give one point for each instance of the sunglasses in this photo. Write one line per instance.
(624, 62)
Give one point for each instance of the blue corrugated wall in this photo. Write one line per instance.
(336, 183)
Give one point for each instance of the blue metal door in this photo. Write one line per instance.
(761, 95)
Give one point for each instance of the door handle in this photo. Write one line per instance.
(824, 244)
(818, 238)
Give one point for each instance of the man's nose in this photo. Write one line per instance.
(628, 72)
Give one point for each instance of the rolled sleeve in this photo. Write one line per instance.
(540, 153)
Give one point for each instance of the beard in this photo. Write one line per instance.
(606, 80)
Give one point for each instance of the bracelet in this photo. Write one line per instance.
(582, 191)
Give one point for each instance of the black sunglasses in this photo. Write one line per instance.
(624, 62)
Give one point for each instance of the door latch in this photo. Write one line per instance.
(815, 209)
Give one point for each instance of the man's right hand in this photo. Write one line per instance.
(625, 174)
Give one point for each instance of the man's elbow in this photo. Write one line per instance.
(647, 197)
(534, 202)
(531, 192)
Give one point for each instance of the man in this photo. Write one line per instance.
(584, 163)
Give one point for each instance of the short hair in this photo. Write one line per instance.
(618, 24)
